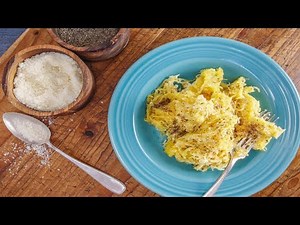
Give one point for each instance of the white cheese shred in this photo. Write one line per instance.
(48, 81)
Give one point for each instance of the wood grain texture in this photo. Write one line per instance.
(84, 134)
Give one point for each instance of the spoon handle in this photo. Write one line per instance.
(106, 180)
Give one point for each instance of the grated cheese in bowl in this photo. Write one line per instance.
(48, 81)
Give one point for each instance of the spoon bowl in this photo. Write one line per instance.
(13, 120)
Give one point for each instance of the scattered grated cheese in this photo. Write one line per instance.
(15, 153)
(41, 151)
(32, 132)
(48, 120)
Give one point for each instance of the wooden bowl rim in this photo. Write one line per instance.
(86, 49)
(107, 52)
(17, 59)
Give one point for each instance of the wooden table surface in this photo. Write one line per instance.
(84, 134)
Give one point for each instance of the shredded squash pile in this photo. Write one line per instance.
(204, 119)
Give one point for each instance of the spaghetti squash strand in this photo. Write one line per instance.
(204, 119)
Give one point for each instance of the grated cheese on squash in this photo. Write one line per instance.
(204, 119)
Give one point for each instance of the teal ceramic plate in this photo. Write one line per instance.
(139, 146)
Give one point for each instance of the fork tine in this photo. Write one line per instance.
(245, 143)
(271, 118)
(262, 113)
(248, 141)
(268, 116)
(241, 142)
(265, 114)
(249, 147)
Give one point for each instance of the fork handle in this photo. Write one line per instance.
(219, 181)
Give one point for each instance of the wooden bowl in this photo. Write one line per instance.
(11, 70)
(118, 43)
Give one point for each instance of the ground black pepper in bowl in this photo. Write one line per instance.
(87, 37)
(93, 44)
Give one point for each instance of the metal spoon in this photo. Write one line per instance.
(10, 120)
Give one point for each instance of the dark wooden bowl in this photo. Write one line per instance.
(118, 43)
(11, 70)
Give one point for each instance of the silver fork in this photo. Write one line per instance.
(246, 143)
